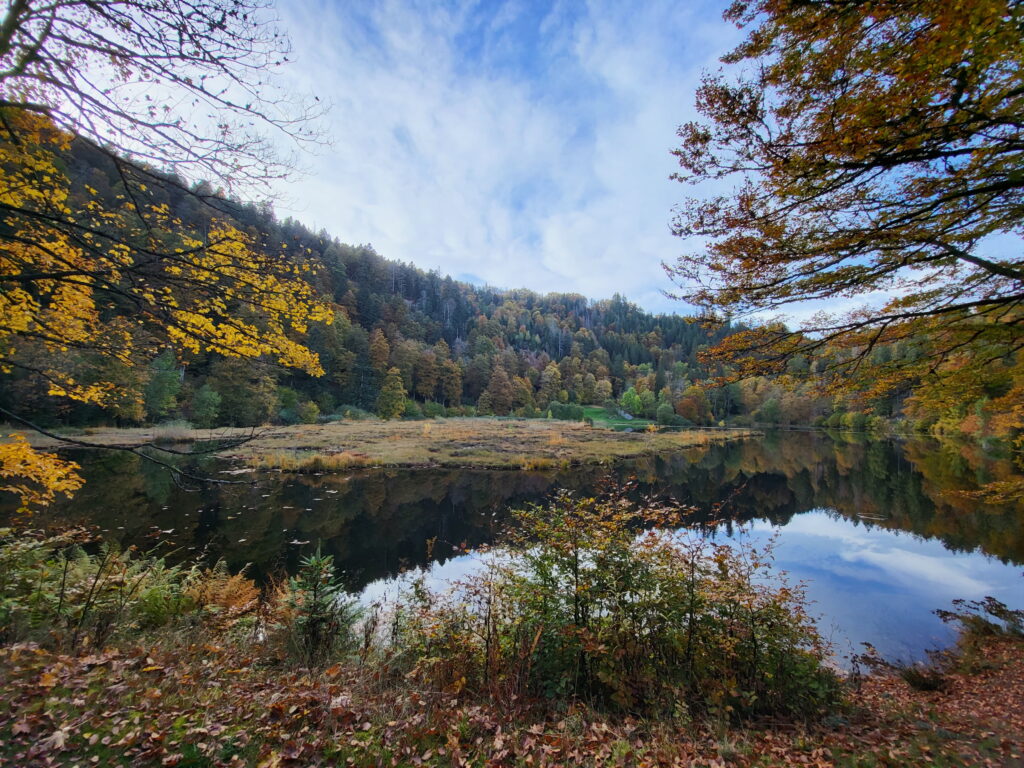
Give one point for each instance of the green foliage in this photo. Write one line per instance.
(770, 412)
(631, 402)
(288, 405)
(581, 608)
(320, 616)
(666, 415)
(565, 412)
(432, 409)
(391, 401)
(161, 392)
(205, 407)
(308, 412)
(248, 394)
(51, 587)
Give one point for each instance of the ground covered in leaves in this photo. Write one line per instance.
(207, 705)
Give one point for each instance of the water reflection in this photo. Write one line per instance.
(378, 522)
(880, 586)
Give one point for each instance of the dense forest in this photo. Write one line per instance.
(406, 342)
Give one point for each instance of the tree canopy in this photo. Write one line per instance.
(186, 86)
(867, 152)
(93, 285)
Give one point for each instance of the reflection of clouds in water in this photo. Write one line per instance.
(882, 586)
(438, 578)
(889, 555)
(913, 568)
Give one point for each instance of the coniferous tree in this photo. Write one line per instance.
(391, 401)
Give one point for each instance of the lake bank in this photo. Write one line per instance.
(205, 702)
(665, 652)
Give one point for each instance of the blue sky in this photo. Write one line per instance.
(523, 144)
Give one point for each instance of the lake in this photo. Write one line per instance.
(878, 530)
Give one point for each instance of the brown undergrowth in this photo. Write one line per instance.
(203, 704)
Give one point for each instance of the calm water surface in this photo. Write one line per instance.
(877, 530)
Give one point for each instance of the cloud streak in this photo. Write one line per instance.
(525, 143)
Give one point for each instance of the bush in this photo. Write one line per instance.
(315, 615)
(433, 410)
(308, 412)
(351, 413)
(565, 412)
(835, 421)
(854, 421)
(667, 417)
(581, 608)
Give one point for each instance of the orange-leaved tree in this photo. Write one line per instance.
(149, 84)
(867, 155)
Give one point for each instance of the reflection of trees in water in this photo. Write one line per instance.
(910, 487)
(377, 522)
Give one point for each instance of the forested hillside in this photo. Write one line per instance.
(409, 342)
(450, 346)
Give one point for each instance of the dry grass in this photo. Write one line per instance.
(484, 443)
(462, 442)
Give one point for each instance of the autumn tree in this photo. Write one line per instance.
(147, 84)
(426, 375)
(187, 87)
(500, 391)
(550, 385)
(451, 382)
(874, 150)
(391, 401)
(380, 351)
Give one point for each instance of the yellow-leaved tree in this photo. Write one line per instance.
(123, 279)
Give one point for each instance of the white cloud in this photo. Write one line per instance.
(529, 149)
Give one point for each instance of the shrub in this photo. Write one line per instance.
(308, 412)
(352, 413)
(565, 412)
(433, 410)
(314, 614)
(923, 677)
(667, 417)
(986, 617)
(583, 608)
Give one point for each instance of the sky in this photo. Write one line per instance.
(518, 144)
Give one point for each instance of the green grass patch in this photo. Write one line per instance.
(602, 418)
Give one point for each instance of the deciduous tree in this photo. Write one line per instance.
(874, 149)
(149, 84)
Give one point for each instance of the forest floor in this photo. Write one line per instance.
(194, 703)
(458, 442)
